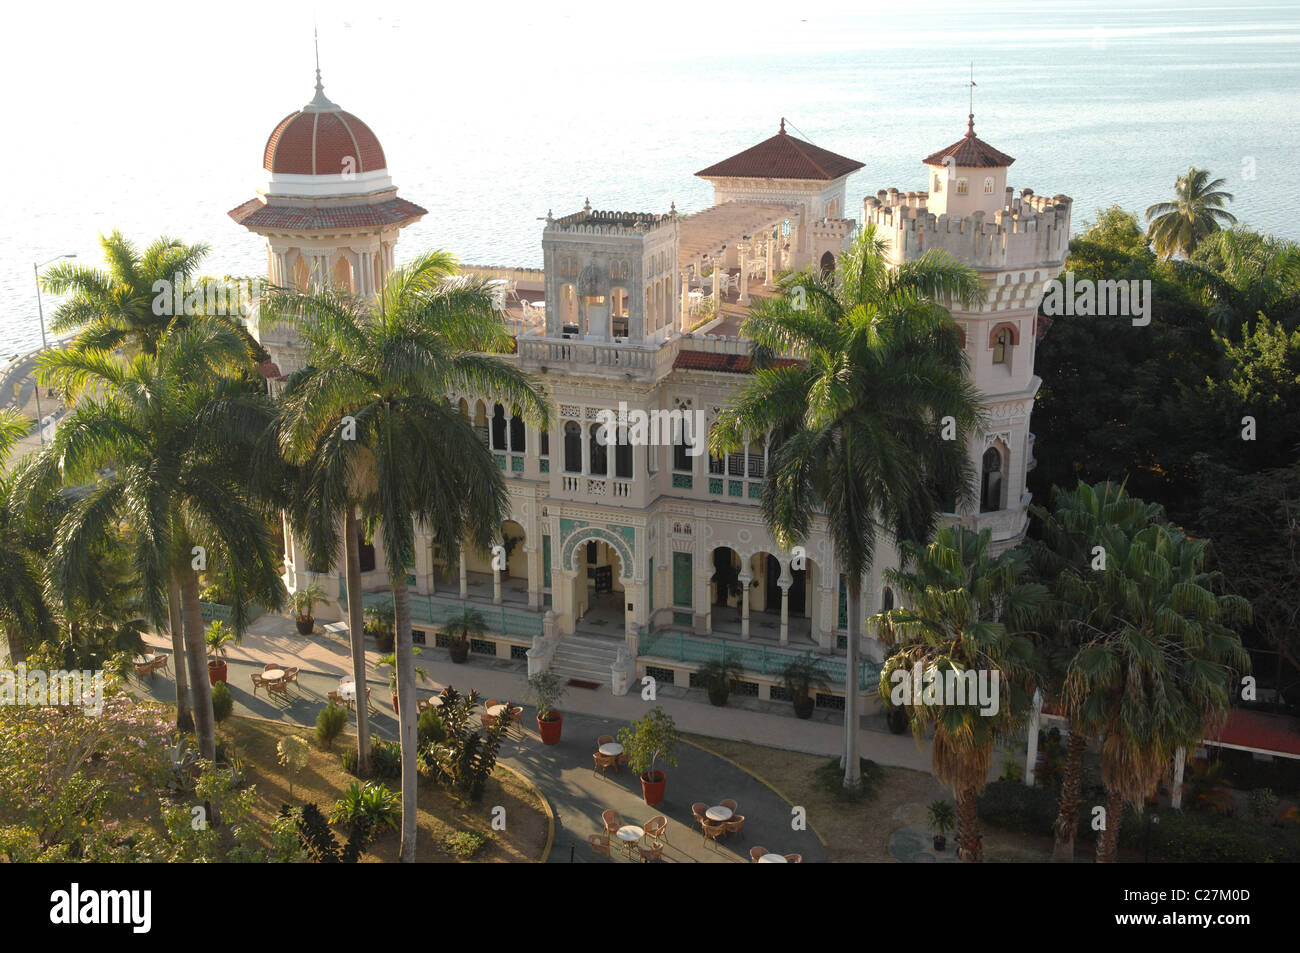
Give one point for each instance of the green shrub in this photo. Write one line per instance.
(330, 724)
(1012, 806)
(1196, 838)
(430, 729)
(1263, 804)
(371, 804)
(385, 759)
(829, 779)
(223, 703)
(465, 844)
(350, 761)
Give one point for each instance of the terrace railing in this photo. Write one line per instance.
(751, 657)
(514, 623)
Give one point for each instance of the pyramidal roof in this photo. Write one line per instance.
(971, 152)
(783, 157)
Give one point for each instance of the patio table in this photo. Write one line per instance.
(630, 835)
(718, 813)
(348, 689)
(273, 675)
(770, 858)
(611, 749)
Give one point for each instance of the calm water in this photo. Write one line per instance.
(154, 120)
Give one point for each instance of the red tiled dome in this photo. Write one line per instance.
(322, 139)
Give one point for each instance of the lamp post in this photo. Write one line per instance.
(40, 310)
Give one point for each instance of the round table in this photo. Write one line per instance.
(496, 711)
(773, 859)
(348, 689)
(537, 304)
(718, 813)
(273, 674)
(611, 749)
(435, 701)
(629, 834)
(695, 294)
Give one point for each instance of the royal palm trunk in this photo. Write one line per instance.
(196, 653)
(1067, 818)
(357, 636)
(970, 840)
(852, 768)
(176, 625)
(406, 704)
(1108, 843)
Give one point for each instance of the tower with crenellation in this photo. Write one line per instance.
(1017, 244)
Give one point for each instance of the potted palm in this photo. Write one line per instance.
(801, 679)
(942, 819)
(544, 693)
(391, 661)
(218, 636)
(470, 624)
(716, 676)
(380, 625)
(645, 741)
(302, 602)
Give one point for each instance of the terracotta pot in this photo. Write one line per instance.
(940, 842)
(718, 696)
(459, 651)
(395, 711)
(653, 786)
(217, 669)
(550, 729)
(305, 625)
(803, 707)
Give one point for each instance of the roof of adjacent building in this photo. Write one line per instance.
(970, 151)
(783, 157)
(322, 139)
(255, 213)
(1259, 731)
(727, 363)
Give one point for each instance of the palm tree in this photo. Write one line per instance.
(965, 612)
(1062, 558)
(1197, 211)
(857, 419)
(1246, 275)
(1156, 672)
(23, 610)
(413, 460)
(162, 442)
(121, 306)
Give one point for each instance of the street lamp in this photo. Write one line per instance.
(40, 310)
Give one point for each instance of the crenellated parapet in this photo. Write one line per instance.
(1031, 231)
(591, 221)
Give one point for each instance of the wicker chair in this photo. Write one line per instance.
(736, 825)
(730, 804)
(604, 740)
(602, 762)
(756, 852)
(655, 850)
(270, 665)
(714, 832)
(698, 809)
(613, 821)
(290, 675)
(657, 828)
(258, 682)
(336, 699)
(599, 843)
(280, 688)
(491, 703)
(794, 858)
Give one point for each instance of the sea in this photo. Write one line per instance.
(151, 118)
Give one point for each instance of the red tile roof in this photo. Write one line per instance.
(971, 152)
(257, 214)
(726, 363)
(1260, 731)
(322, 142)
(783, 157)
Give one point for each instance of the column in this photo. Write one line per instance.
(785, 610)
(1176, 792)
(718, 270)
(685, 322)
(703, 604)
(1031, 754)
(742, 252)
(745, 579)
(433, 571)
(464, 576)
(535, 581)
(771, 250)
(562, 602)
(496, 586)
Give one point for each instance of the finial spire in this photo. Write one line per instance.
(970, 120)
(782, 125)
(315, 33)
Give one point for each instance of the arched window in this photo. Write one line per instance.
(499, 428)
(988, 185)
(887, 599)
(1002, 346)
(961, 186)
(623, 456)
(544, 443)
(518, 435)
(681, 454)
(991, 481)
(828, 263)
(599, 466)
(938, 182)
(572, 447)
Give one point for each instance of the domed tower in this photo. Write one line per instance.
(1017, 244)
(328, 210)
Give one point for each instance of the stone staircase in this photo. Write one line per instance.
(585, 657)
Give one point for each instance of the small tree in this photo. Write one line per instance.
(943, 817)
(293, 752)
(218, 637)
(223, 703)
(304, 600)
(329, 724)
(544, 693)
(648, 739)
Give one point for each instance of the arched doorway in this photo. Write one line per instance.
(828, 263)
(991, 480)
(599, 597)
(724, 584)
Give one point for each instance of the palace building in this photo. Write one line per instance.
(633, 558)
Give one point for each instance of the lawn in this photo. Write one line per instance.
(323, 780)
(859, 832)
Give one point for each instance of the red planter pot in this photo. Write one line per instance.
(550, 729)
(217, 669)
(305, 626)
(395, 711)
(653, 786)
